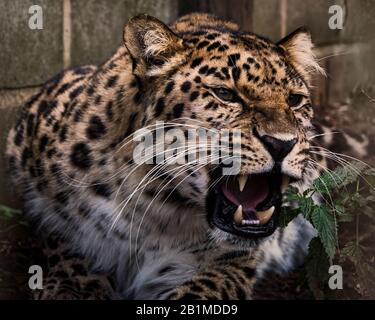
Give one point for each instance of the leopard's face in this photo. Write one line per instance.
(238, 81)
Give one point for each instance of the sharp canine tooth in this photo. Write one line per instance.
(265, 216)
(242, 181)
(285, 183)
(238, 215)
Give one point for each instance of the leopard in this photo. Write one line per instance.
(127, 230)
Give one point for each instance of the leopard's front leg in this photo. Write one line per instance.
(229, 281)
(69, 276)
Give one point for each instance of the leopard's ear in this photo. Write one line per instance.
(150, 41)
(298, 47)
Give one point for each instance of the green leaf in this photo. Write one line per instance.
(8, 212)
(351, 189)
(306, 206)
(338, 178)
(316, 267)
(343, 214)
(350, 251)
(291, 194)
(324, 222)
(287, 215)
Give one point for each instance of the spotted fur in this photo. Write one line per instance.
(70, 154)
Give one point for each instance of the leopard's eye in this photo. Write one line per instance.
(225, 94)
(294, 100)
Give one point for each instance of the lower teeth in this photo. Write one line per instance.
(250, 222)
(263, 217)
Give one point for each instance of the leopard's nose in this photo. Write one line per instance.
(277, 148)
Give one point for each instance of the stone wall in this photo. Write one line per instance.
(81, 32)
(74, 32)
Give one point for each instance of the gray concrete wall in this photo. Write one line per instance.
(81, 32)
(74, 32)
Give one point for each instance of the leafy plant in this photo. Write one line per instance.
(7, 212)
(345, 195)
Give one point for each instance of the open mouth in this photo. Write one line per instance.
(248, 205)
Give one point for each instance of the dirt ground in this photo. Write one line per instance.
(19, 249)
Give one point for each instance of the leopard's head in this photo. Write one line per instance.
(206, 73)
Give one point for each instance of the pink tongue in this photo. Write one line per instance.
(254, 192)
